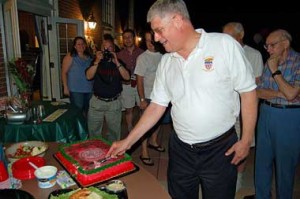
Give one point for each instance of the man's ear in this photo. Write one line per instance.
(286, 43)
(178, 21)
(242, 34)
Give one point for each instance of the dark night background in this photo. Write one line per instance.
(256, 18)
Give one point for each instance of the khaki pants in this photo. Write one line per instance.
(111, 111)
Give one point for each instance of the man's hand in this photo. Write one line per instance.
(273, 63)
(118, 148)
(240, 150)
(143, 105)
(99, 56)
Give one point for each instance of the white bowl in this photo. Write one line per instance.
(35, 148)
(46, 176)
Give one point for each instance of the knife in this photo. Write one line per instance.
(100, 161)
(103, 160)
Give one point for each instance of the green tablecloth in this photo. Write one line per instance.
(69, 127)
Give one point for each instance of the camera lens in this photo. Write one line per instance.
(107, 55)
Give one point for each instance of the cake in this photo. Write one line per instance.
(83, 161)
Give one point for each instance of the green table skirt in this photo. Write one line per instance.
(69, 127)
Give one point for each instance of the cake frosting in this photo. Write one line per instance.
(83, 161)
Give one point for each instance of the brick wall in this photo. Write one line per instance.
(81, 9)
(3, 90)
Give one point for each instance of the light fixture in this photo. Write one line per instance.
(91, 22)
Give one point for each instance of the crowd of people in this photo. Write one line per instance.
(224, 101)
(104, 84)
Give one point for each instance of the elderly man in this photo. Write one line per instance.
(278, 130)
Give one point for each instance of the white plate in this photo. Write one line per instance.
(11, 150)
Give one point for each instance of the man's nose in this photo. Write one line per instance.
(156, 37)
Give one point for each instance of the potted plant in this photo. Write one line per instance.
(23, 74)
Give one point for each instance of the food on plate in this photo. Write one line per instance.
(37, 150)
(27, 150)
(115, 186)
(85, 193)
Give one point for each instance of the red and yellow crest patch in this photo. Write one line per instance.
(208, 63)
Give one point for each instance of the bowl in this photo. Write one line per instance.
(26, 149)
(22, 170)
(15, 194)
(118, 188)
(15, 117)
(46, 176)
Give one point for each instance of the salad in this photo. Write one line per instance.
(27, 151)
(85, 193)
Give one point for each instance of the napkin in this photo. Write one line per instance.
(64, 180)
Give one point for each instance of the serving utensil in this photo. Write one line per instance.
(33, 165)
(14, 110)
(103, 160)
(100, 161)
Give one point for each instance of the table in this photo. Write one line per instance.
(69, 127)
(140, 184)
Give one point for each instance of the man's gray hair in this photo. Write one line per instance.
(238, 27)
(285, 34)
(162, 8)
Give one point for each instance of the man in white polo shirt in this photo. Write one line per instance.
(202, 76)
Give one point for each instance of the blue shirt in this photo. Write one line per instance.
(77, 81)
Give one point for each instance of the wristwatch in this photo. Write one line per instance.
(142, 99)
(119, 66)
(277, 72)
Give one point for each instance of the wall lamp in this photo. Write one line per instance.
(91, 22)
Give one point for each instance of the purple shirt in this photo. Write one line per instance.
(129, 59)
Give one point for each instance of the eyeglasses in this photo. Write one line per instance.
(162, 29)
(272, 45)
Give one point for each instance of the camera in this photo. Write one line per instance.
(107, 55)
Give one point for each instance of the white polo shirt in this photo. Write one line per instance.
(203, 89)
(255, 59)
(146, 66)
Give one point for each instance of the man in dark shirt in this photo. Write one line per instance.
(108, 74)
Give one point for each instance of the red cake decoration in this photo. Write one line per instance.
(83, 161)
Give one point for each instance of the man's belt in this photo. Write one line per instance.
(107, 99)
(216, 140)
(280, 105)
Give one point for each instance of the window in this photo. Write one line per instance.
(108, 17)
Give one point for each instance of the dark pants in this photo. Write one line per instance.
(208, 166)
(81, 100)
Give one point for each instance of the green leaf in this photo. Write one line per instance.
(19, 83)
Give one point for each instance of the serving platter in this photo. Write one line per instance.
(63, 193)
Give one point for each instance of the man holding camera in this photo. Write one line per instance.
(108, 74)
